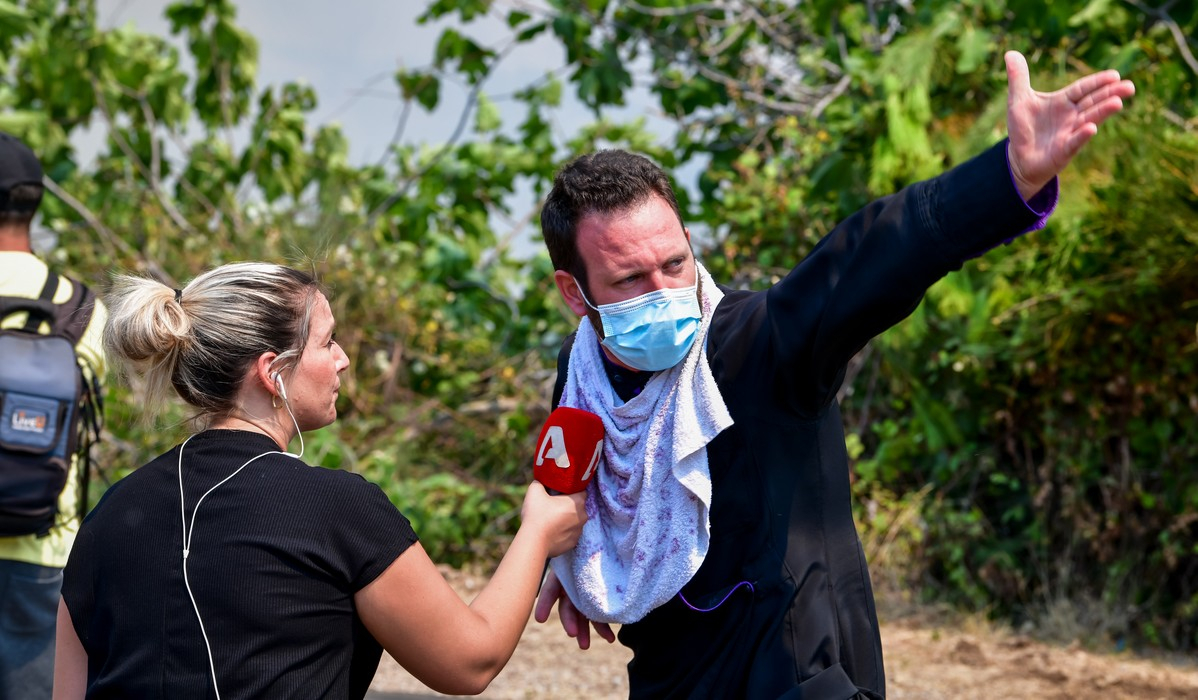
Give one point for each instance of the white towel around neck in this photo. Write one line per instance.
(648, 503)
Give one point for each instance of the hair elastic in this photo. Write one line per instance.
(178, 296)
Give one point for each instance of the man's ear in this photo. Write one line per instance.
(567, 286)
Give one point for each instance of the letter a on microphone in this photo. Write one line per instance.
(554, 447)
(594, 461)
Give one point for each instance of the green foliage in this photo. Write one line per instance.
(467, 522)
(226, 59)
(1049, 391)
(422, 87)
(1028, 431)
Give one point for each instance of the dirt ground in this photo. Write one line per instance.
(928, 657)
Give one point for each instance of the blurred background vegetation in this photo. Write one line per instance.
(1026, 442)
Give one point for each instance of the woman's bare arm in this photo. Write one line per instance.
(457, 648)
(70, 658)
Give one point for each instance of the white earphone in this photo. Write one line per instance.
(278, 377)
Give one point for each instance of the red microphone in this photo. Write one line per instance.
(568, 450)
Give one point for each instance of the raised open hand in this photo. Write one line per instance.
(1048, 128)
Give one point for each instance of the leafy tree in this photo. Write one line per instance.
(1056, 462)
(1038, 409)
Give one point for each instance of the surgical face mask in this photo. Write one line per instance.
(653, 331)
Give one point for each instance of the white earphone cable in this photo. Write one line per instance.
(189, 530)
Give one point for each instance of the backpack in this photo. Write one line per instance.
(49, 409)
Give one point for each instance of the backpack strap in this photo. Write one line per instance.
(91, 424)
(70, 321)
(49, 289)
(39, 310)
(73, 315)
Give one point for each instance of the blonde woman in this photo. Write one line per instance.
(227, 567)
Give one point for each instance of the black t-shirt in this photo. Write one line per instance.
(277, 553)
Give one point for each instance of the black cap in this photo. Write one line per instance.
(18, 165)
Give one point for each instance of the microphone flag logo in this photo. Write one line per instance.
(569, 450)
(554, 447)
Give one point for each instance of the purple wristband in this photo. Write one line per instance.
(1042, 204)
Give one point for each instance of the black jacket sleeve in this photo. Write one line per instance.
(563, 363)
(872, 270)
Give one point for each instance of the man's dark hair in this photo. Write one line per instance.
(597, 183)
(20, 204)
(20, 181)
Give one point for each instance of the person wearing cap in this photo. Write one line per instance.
(31, 565)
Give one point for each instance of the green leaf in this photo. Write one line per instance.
(185, 15)
(529, 33)
(425, 88)
(466, 9)
(471, 58)
(14, 21)
(1093, 13)
(487, 118)
(974, 47)
(21, 121)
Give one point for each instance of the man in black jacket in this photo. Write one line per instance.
(721, 533)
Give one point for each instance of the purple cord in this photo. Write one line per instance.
(684, 600)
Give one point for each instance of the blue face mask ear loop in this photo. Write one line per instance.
(584, 295)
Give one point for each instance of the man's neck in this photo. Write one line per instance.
(612, 359)
(15, 239)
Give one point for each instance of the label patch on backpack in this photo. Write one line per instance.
(29, 423)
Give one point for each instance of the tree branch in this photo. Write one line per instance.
(155, 156)
(1161, 14)
(256, 157)
(697, 8)
(400, 127)
(111, 238)
(471, 100)
(780, 87)
(751, 94)
(213, 210)
(167, 205)
(827, 99)
(767, 28)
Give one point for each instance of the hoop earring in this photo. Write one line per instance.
(274, 402)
